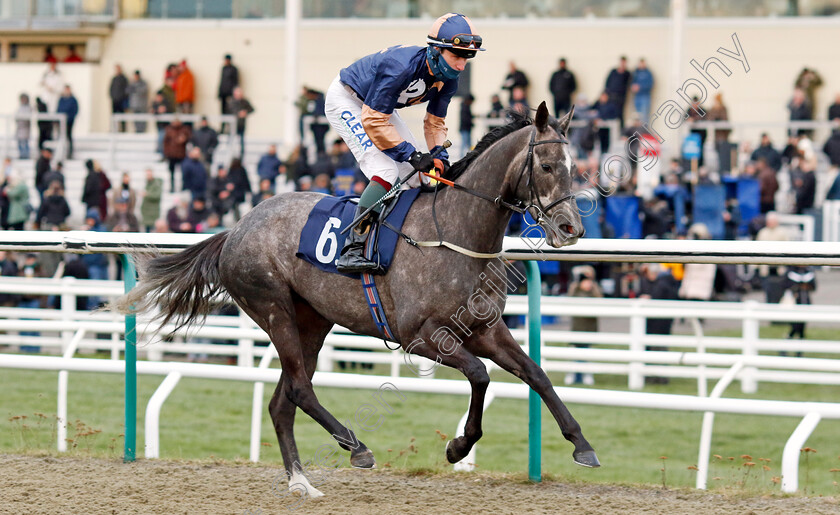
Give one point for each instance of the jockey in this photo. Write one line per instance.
(360, 106)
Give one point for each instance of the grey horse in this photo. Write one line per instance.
(441, 304)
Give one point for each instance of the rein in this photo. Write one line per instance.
(517, 206)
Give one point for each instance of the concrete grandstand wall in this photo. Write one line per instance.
(776, 50)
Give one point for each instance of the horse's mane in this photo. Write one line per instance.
(519, 121)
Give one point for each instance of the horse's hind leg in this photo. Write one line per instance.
(312, 329)
(293, 349)
(498, 345)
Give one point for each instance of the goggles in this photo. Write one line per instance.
(465, 41)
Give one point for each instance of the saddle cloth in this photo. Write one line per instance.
(321, 240)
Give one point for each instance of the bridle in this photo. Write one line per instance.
(518, 205)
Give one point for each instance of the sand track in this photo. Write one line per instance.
(48, 485)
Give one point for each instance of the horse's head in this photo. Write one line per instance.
(544, 181)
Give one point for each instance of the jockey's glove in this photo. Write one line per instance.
(422, 162)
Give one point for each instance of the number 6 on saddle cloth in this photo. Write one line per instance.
(321, 239)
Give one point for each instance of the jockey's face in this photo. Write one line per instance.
(457, 63)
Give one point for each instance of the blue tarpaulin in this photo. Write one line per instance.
(709, 205)
(623, 216)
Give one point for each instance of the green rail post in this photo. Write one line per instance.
(130, 366)
(534, 402)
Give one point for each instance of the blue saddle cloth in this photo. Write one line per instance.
(321, 240)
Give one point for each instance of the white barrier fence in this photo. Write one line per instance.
(811, 411)
(686, 251)
(58, 326)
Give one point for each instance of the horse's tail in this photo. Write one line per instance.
(182, 286)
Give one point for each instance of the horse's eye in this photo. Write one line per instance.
(546, 168)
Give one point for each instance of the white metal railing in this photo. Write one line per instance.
(811, 411)
(694, 355)
(10, 121)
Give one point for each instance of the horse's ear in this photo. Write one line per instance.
(562, 126)
(541, 120)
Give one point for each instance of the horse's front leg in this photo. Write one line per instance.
(449, 351)
(498, 345)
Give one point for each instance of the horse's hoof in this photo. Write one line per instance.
(363, 460)
(456, 449)
(586, 459)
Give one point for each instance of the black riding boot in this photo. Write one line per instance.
(352, 260)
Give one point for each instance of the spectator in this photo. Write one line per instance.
(194, 174)
(314, 107)
(641, 86)
(808, 81)
(31, 268)
(97, 264)
(562, 86)
(802, 175)
(54, 209)
(49, 57)
(321, 184)
(72, 56)
(150, 206)
(242, 185)
(8, 268)
(184, 89)
(45, 127)
(772, 276)
(160, 107)
(19, 206)
(719, 113)
(175, 139)
(229, 81)
(269, 166)
(616, 86)
(213, 224)
(168, 92)
(515, 79)
(768, 186)
(161, 226)
(241, 108)
(800, 109)
(766, 151)
(74, 266)
(7, 171)
(68, 105)
(832, 145)
(518, 101)
(56, 174)
(584, 286)
(206, 139)
(51, 85)
(125, 193)
(659, 284)
(834, 109)
(94, 195)
(606, 110)
(497, 110)
(222, 189)
(466, 123)
(23, 123)
(267, 191)
(178, 217)
(801, 281)
(138, 99)
(42, 168)
(198, 213)
(118, 92)
(698, 281)
(122, 219)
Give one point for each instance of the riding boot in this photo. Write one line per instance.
(352, 260)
